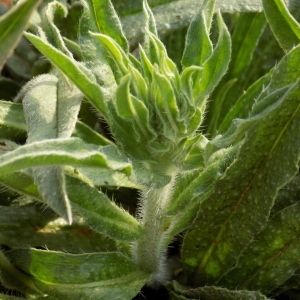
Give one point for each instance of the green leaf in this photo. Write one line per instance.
(12, 278)
(35, 226)
(100, 213)
(220, 233)
(247, 33)
(54, 117)
(21, 183)
(166, 106)
(94, 54)
(108, 22)
(11, 115)
(88, 135)
(272, 258)
(83, 276)
(211, 293)
(198, 47)
(133, 109)
(109, 178)
(117, 53)
(72, 151)
(178, 14)
(12, 25)
(288, 195)
(284, 26)
(242, 107)
(50, 10)
(216, 65)
(80, 75)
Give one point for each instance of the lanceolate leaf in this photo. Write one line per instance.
(88, 135)
(108, 22)
(96, 275)
(12, 25)
(247, 33)
(49, 10)
(35, 226)
(72, 151)
(198, 46)
(239, 207)
(243, 106)
(100, 213)
(94, 54)
(272, 258)
(80, 76)
(216, 65)
(285, 28)
(178, 14)
(51, 109)
(12, 278)
(211, 293)
(11, 115)
(21, 183)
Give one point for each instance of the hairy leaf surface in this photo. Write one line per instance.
(96, 275)
(248, 188)
(12, 25)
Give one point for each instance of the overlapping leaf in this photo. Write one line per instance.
(179, 292)
(272, 258)
(95, 275)
(240, 205)
(12, 25)
(284, 26)
(21, 227)
(51, 109)
(12, 278)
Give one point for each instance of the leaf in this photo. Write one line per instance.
(21, 183)
(284, 26)
(219, 233)
(198, 46)
(247, 32)
(288, 195)
(272, 258)
(12, 25)
(94, 54)
(108, 22)
(8, 88)
(100, 213)
(80, 76)
(88, 135)
(133, 109)
(166, 106)
(11, 115)
(216, 65)
(178, 14)
(110, 178)
(50, 10)
(53, 117)
(35, 226)
(211, 293)
(71, 151)
(12, 278)
(242, 107)
(84, 276)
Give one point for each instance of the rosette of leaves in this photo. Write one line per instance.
(241, 235)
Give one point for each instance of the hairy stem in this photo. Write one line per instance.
(150, 252)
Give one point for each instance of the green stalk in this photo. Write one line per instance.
(149, 252)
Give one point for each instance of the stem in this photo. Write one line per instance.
(149, 252)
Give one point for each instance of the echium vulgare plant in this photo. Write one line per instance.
(215, 168)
